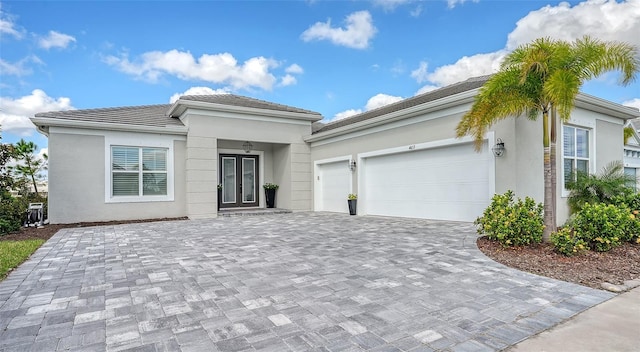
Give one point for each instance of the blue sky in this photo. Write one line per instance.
(334, 57)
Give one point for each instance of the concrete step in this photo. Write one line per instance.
(252, 212)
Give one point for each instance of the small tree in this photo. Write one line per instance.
(29, 166)
(10, 209)
(6, 180)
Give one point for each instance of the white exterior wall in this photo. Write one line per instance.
(286, 156)
(521, 167)
(77, 170)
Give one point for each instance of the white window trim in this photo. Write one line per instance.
(590, 127)
(138, 141)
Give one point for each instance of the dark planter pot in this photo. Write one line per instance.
(352, 206)
(270, 197)
(219, 198)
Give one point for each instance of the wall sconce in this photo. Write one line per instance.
(352, 165)
(498, 149)
(247, 146)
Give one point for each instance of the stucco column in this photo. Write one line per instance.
(202, 177)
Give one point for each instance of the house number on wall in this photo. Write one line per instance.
(412, 147)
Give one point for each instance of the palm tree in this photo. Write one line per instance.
(599, 188)
(543, 78)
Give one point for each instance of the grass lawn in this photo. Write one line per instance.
(13, 253)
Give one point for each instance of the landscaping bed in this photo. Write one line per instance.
(589, 268)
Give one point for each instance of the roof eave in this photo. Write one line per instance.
(435, 105)
(181, 105)
(603, 106)
(43, 124)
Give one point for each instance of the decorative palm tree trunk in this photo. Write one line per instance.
(549, 214)
(554, 165)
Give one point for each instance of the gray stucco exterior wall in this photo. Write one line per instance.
(77, 182)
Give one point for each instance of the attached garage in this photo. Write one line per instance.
(332, 185)
(444, 181)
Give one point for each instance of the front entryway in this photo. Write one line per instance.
(239, 177)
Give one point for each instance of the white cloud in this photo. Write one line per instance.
(15, 113)
(603, 19)
(8, 26)
(466, 67)
(453, 3)
(288, 80)
(634, 103)
(345, 114)
(294, 69)
(357, 34)
(197, 91)
(420, 73)
(416, 12)
(426, 89)
(389, 5)
(377, 101)
(380, 100)
(18, 68)
(55, 40)
(217, 68)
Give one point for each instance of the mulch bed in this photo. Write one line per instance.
(588, 269)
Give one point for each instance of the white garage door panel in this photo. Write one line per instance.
(335, 185)
(448, 183)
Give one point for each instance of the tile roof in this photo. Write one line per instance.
(237, 100)
(471, 83)
(146, 115)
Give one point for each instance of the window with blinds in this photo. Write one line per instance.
(575, 151)
(138, 171)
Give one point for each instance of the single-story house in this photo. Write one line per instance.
(402, 159)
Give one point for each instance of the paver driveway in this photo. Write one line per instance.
(299, 282)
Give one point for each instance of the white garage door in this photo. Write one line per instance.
(333, 182)
(446, 183)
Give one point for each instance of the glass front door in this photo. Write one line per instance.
(239, 178)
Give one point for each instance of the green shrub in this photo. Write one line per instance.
(566, 242)
(630, 200)
(512, 223)
(602, 226)
(11, 215)
(612, 183)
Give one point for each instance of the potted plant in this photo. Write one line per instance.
(270, 194)
(219, 195)
(352, 200)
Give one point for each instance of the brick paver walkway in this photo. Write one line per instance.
(293, 282)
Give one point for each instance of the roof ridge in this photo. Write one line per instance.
(247, 98)
(113, 108)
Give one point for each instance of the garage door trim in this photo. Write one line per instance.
(362, 161)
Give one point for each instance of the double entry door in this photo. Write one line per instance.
(239, 178)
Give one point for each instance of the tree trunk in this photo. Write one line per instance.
(33, 177)
(549, 214)
(554, 165)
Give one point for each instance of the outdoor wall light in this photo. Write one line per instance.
(247, 146)
(498, 149)
(352, 165)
